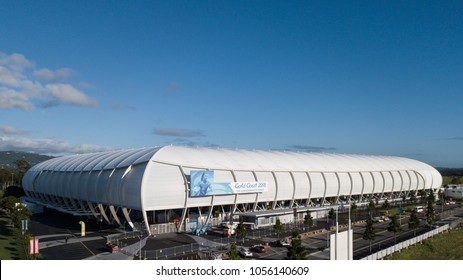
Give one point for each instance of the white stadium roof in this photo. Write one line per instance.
(152, 179)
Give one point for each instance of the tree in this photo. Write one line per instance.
(430, 213)
(422, 195)
(308, 220)
(412, 197)
(394, 226)
(296, 251)
(22, 165)
(216, 212)
(432, 197)
(9, 202)
(455, 180)
(14, 191)
(20, 213)
(386, 205)
(241, 230)
(233, 253)
(278, 227)
(332, 214)
(371, 207)
(414, 221)
(369, 233)
(5, 177)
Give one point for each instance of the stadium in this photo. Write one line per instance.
(174, 189)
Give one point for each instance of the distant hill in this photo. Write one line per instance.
(7, 158)
(450, 171)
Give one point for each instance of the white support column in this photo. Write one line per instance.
(147, 225)
(274, 203)
(236, 195)
(127, 217)
(351, 187)
(310, 189)
(187, 195)
(339, 187)
(401, 185)
(393, 185)
(294, 189)
(375, 183)
(410, 182)
(90, 205)
(257, 194)
(103, 213)
(363, 186)
(112, 210)
(325, 185)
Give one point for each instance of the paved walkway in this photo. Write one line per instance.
(55, 240)
(127, 253)
(205, 242)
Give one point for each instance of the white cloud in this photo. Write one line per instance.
(16, 61)
(8, 77)
(177, 132)
(12, 99)
(20, 89)
(48, 146)
(67, 94)
(59, 75)
(9, 130)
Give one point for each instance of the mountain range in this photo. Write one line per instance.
(7, 158)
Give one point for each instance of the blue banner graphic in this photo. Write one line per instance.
(202, 184)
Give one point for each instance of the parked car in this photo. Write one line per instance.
(258, 249)
(244, 252)
(283, 243)
(215, 257)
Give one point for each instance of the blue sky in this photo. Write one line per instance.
(363, 77)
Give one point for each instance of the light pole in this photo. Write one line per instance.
(327, 230)
(349, 238)
(336, 236)
(400, 214)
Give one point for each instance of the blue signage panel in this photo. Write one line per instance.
(202, 184)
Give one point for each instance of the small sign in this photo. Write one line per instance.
(24, 225)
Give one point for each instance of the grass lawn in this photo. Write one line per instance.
(446, 246)
(10, 247)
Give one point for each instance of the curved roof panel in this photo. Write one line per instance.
(97, 161)
(230, 159)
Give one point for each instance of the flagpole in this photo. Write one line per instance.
(336, 237)
(349, 255)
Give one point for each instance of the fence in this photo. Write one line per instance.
(187, 249)
(219, 243)
(407, 243)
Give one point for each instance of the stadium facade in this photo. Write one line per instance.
(176, 188)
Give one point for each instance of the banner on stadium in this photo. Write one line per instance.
(202, 184)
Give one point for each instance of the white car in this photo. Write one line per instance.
(284, 243)
(215, 257)
(244, 252)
